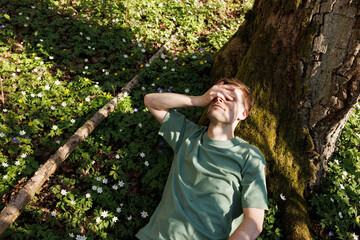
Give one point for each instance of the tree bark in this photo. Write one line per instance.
(301, 61)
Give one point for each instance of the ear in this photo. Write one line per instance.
(243, 115)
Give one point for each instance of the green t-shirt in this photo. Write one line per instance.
(209, 183)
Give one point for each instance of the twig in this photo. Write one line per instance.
(12, 210)
(2, 91)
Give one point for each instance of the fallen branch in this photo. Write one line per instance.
(2, 91)
(13, 209)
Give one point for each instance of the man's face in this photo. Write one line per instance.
(228, 111)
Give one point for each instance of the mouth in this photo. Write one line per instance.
(219, 106)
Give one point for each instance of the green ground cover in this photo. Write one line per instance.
(63, 60)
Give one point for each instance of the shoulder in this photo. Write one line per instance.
(251, 152)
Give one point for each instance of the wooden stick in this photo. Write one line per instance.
(13, 209)
(2, 91)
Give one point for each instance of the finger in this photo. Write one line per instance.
(221, 83)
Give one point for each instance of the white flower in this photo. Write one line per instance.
(331, 199)
(4, 164)
(164, 67)
(52, 108)
(140, 124)
(153, 84)
(146, 163)
(96, 86)
(88, 195)
(47, 87)
(57, 82)
(121, 183)
(105, 181)
(173, 69)
(40, 95)
(147, 65)
(356, 237)
(36, 70)
(104, 214)
(144, 214)
(88, 38)
(98, 179)
(87, 99)
(121, 204)
(51, 57)
(22, 132)
(17, 163)
(23, 93)
(118, 210)
(163, 56)
(117, 156)
(166, 61)
(114, 219)
(115, 187)
(126, 94)
(143, 88)
(143, 50)
(53, 213)
(340, 215)
(72, 202)
(94, 187)
(23, 155)
(2, 134)
(63, 104)
(187, 90)
(72, 121)
(13, 74)
(5, 177)
(98, 219)
(142, 154)
(5, 110)
(58, 141)
(18, 70)
(282, 196)
(336, 161)
(63, 192)
(71, 235)
(123, 40)
(129, 218)
(126, 56)
(342, 186)
(54, 127)
(99, 190)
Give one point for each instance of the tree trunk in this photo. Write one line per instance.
(301, 61)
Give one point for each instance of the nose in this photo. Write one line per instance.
(218, 99)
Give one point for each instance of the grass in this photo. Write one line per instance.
(63, 60)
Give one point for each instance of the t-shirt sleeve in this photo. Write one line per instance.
(253, 184)
(175, 128)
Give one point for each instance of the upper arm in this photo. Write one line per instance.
(158, 114)
(256, 215)
(251, 226)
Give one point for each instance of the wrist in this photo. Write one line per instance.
(196, 101)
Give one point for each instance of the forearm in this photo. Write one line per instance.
(166, 101)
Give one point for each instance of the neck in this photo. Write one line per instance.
(220, 132)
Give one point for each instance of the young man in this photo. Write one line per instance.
(216, 187)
